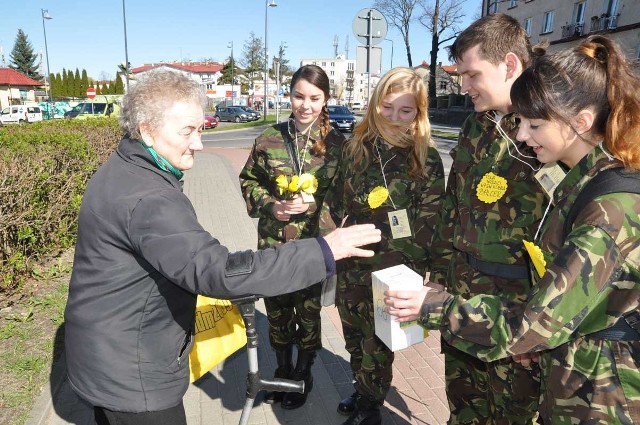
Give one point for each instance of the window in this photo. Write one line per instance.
(443, 85)
(578, 12)
(333, 64)
(547, 21)
(24, 95)
(350, 66)
(527, 25)
(612, 7)
(513, 3)
(493, 7)
(324, 64)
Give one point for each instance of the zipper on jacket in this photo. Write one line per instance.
(185, 345)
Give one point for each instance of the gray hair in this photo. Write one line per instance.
(148, 99)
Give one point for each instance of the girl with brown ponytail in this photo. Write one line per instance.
(580, 112)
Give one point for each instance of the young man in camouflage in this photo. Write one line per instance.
(492, 203)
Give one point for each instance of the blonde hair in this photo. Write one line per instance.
(417, 136)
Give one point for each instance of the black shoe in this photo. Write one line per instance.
(348, 405)
(365, 417)
(273, 397)
(302, 372)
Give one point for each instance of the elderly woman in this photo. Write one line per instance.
(141, 257)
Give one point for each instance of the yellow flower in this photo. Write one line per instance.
(308, 183)
(283, 183)
(293, 185)
(377, 196)
(537, 257)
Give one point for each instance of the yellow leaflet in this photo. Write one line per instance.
(308, 183)
(537, 258)
(491, 188)
(377, 196)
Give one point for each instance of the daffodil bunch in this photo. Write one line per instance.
(306, 183)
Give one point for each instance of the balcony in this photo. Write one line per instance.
(604, 22)
(573, 30)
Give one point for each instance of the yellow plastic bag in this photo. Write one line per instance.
(220, 332)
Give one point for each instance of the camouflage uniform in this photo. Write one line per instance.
(592, 279)
(478, 250)
(370, 359)
(269, 159)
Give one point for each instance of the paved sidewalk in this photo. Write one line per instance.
(417, 394)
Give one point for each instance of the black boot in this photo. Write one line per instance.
(348, 405)
(283, 358)
(365, 417)
(302, 372)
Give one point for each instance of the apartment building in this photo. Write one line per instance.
(347, 86)
(566, 23)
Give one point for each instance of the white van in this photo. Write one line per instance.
(20, 114)
(357, 105)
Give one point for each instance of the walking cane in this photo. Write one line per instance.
(255, 383)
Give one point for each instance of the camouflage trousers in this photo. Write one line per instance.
(497, 393)
(371, 360)
(294, 319)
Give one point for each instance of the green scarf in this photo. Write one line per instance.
(162, 163)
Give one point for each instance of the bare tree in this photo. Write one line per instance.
(442, 20)
(399, 14)
(253, 59)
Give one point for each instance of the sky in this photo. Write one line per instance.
(89, 34)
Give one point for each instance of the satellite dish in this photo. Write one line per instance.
(370, 20)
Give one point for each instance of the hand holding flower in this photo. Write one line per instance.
(283, 210)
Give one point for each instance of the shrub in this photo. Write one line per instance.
(44, 168)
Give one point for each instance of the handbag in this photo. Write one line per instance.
(219, 332)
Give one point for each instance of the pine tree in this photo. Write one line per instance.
(119, 85)
(23, 59)
(66, 91)
(84, 82)
(77, 85)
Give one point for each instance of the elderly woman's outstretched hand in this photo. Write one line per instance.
(344, 242)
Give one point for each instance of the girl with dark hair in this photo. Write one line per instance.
(390, 170)
(284, 182)
(580, 109)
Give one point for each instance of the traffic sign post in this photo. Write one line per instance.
(370, 28)
(91, 92)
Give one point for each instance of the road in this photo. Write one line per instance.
(244, 138)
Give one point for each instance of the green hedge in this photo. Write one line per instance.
(44, 168)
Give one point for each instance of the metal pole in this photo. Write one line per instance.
(45, 15)
(369, 44)
(232, 66)
(126, 50)
(388, 39)
(267, 5)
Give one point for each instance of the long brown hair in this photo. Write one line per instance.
(595, 74)
(374, 125)
(315, 75)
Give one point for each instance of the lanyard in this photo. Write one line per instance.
(384, 179)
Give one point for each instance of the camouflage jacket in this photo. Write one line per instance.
(421, 197)
(269, 159)
(488, 231)
(591, 279)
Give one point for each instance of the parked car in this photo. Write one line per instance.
(357, 105)
(341, 118)
(232, 113)
(255, 115)
(20, 114)
(210, 121)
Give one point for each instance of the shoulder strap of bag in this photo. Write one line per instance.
(613, 180)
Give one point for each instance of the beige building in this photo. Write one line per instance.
(565, 23)
(347, 86)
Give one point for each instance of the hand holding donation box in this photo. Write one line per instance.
(395, 335)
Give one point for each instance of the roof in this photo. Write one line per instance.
(450, 69)
(194, 67)
(11, 77)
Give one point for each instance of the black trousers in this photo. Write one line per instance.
(172, 416)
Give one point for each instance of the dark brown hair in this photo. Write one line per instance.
(315, 75)
(593, 75)
(496, 35)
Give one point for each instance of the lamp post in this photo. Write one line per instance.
(388, 39)
(126, 51)
(45, 15)
(233, 65)
(267, 5)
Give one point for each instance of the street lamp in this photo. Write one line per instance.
(126, 51)
(45, 15)
(388, 39)
(267, 5)
(233, 65)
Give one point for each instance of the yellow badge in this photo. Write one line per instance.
(491, 188)
(537, 258)
(377, 196)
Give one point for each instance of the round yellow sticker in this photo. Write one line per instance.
(537, 257)
(377, 196)
(491, 188)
